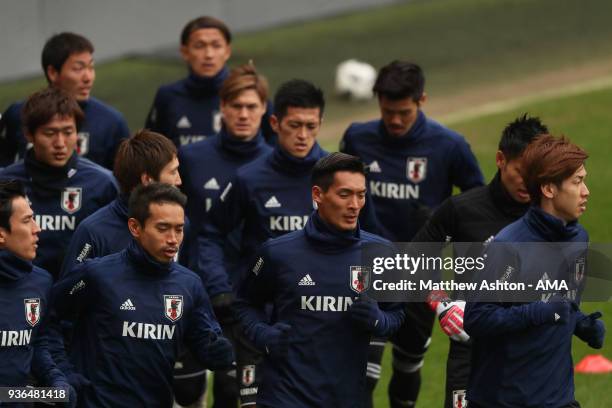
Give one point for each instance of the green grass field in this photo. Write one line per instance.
(459, 43)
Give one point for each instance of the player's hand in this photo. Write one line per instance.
(555, 311)
(591, 330)
(219, 354)
(72, 394)
(223, 307)
(278, 340)
(366, 314)
(450, 315)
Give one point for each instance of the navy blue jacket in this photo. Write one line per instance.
(516, 363)
(306, 275)
(134, 316)
(206, 167)
(98, 138)
(411, 175)
(187, 111)
(61, 198)
(24, 306)
(105, 232)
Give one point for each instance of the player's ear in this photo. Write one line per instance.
(549, 190)
(145, 179)
(422, 99)
(184, 53)
(3, 234)
(274, 123)
(52, 74)
(316, 194)
(134, 227)
(500, 159)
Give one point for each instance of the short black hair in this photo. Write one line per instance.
(518, 134)
(143, 196)
(400, 80)
(202, 22)
(325, 169)
(9, 190)
(60, 47)
(41, 107)
(298, 93)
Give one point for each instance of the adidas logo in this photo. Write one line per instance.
(183, 123)
(374, 167)
(212, 184)
(272, 203)
(557, 317)
(306, 281)
(128, 305)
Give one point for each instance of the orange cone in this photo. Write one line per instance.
(594, 364)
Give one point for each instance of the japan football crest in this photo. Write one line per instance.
(217, 121)
(32, 311)
(360, 278)
(248, 375)
(416, 169)
(173, 307)
(82, 146)
(71, 199)
(459, 400)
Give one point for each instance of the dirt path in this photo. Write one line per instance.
(501, 97)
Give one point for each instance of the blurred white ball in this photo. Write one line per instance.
(355, 79)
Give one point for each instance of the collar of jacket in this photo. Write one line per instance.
(12, 267)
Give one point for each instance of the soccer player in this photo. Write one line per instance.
(187, 111)
(267, 198)
(137, 309)
(206, 168)
(476, 216)
(24, 297)
(68, 64)
(63, 187)
(414, 162)
(521, 354)
(144, 158)
(316, 343)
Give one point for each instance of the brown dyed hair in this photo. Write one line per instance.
(42, 106)
(243, 78)
(205, 22)
(145, 152)
(549, 159)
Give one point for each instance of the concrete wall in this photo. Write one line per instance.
(119, 27)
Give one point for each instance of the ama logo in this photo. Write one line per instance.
(173, 307)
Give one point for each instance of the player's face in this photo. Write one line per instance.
(340, 205)
(297, 130)
(162, 233)
(569, 200)
(206, 52)
(399, 115)
(76, 76)
(510, 173)
(22, 240)
(55, 141)
(242, 115)
(170, 174)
